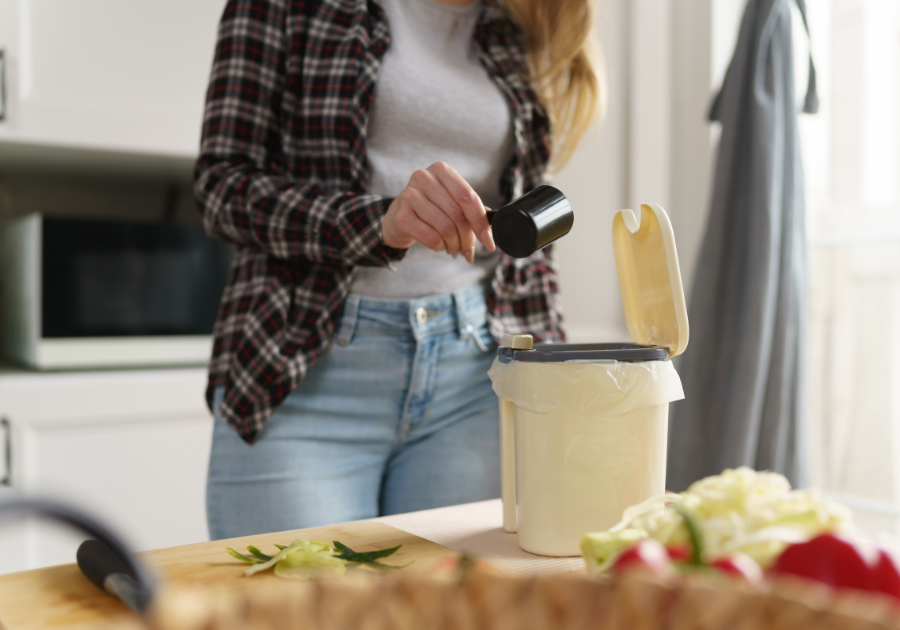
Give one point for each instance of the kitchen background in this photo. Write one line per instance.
(103, 102)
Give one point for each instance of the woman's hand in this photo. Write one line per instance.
(439, 209)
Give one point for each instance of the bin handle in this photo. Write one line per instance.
(508, 441)
(508, 464)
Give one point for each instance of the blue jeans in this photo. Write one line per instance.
(398, 416)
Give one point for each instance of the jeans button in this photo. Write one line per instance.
(421, 315)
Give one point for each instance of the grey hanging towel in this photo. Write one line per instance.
(743, 372)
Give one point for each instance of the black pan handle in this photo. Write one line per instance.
(19, 507)
(108, 570)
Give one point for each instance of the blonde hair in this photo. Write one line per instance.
(565, 65)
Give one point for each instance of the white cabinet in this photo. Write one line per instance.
(130, 447)
(107, 74)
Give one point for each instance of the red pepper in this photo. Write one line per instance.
(886, 576)
(647, 554)
(679, 553)
(739, 565)
(841, 563)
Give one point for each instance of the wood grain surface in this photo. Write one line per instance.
(61, 597)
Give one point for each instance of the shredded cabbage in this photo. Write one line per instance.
(756, 513)
(303, 559)
(601, 549)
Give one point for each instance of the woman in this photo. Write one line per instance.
(349, 148)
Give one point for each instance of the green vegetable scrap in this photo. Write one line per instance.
(240, 556)
(259, 554)
(311, 558)
(369, 558)
(694, 535)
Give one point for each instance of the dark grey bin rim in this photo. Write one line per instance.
(562, 352)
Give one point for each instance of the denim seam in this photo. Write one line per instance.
(348, 321)
(422, 375)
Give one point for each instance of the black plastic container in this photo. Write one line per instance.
(532, 221)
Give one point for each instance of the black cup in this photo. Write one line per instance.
(531, 222)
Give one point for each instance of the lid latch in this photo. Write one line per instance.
(517, 342)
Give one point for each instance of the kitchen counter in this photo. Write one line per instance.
(477, 529)
(60, 597)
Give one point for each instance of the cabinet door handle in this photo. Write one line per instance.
(2, 84)
(7, 452)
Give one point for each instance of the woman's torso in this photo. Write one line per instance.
(434, 101)
(288, 103)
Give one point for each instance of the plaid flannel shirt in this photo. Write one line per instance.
(282, 175)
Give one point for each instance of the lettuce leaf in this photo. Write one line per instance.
(743, 510)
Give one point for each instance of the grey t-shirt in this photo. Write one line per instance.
(434, 102)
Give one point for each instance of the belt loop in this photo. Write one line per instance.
(348, 321)
(463, 325)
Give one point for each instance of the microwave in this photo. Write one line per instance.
(101, 294)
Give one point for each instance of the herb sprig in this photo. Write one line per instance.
(369, 558)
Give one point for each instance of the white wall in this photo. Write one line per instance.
(655, 147)
(595, 181)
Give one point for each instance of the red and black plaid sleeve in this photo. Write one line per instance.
(251, 191)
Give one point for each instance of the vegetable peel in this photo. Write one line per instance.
(303, 559)
(311, 558)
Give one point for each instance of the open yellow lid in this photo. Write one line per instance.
(650, 279)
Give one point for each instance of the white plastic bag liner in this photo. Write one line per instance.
(608, 388)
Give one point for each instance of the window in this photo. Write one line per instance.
(851, 153)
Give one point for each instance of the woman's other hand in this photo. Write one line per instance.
(439, 209)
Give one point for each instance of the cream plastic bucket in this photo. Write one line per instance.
(581, 441)
(583, 428)
(577, 473)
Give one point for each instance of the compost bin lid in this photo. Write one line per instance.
(522, 348)
(650, 279)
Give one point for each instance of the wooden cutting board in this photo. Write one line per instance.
(61, 597)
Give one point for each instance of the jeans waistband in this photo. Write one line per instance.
(462, 311)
